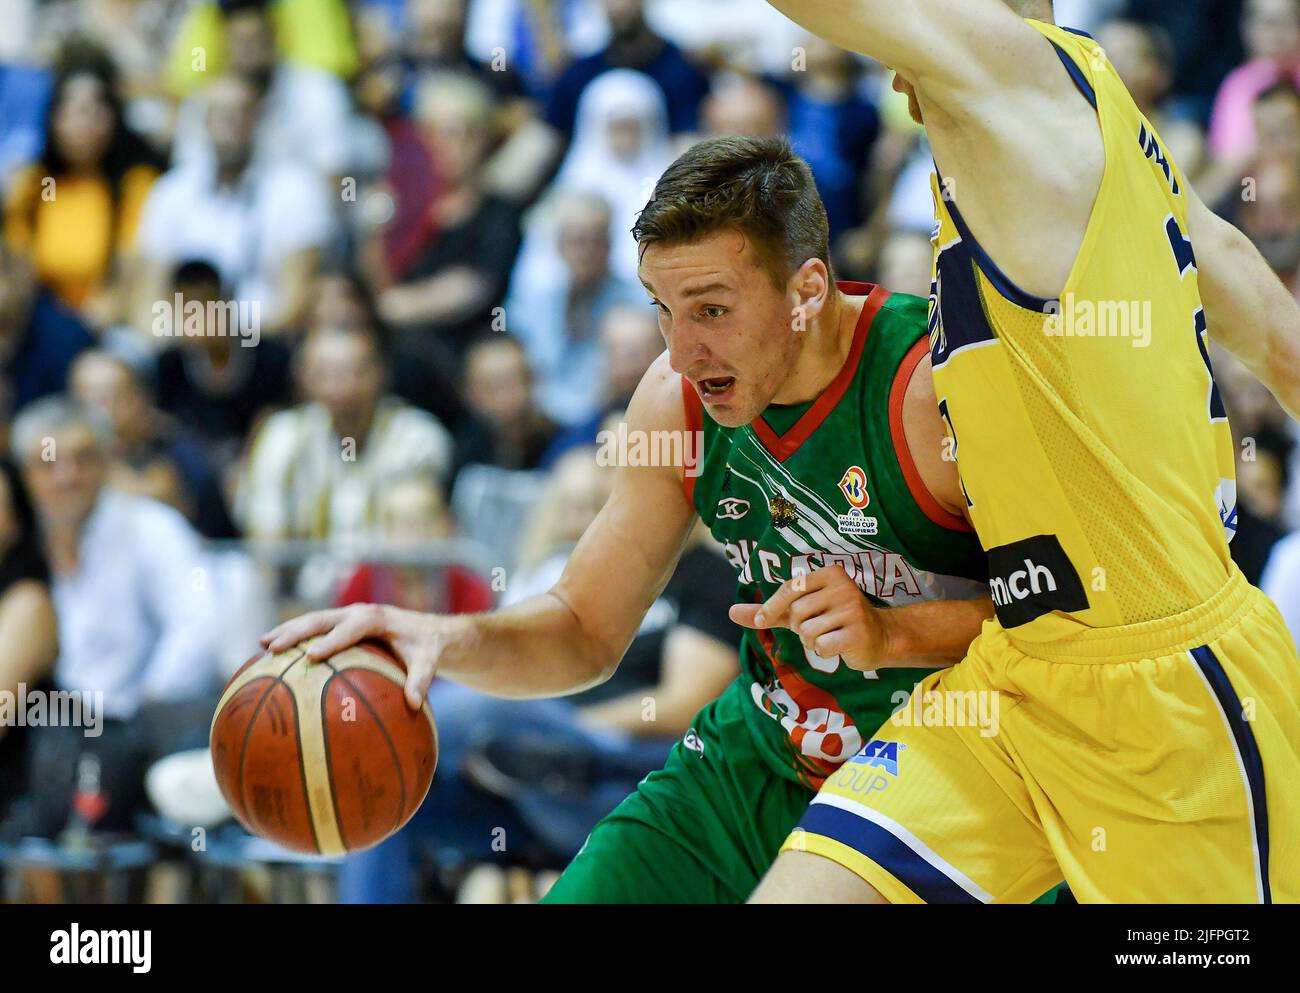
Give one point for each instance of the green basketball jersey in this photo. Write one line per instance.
(825, 483)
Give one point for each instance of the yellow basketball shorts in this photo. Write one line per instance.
(1158, 762)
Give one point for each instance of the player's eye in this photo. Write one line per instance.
(713, 313)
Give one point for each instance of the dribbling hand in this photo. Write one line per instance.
(418, 640)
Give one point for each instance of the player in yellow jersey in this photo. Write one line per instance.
(1148, 746)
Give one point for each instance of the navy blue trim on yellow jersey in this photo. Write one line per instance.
(959, 317)
(887, 851)
(1080, 80)
(1248, 749)
(999, 279)
(1080, 33)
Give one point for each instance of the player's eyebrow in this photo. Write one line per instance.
(699, 291)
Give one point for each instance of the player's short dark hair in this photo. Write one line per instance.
(757, 186)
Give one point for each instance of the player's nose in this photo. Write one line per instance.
(684, 349)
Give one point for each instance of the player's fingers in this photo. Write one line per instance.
(824, 623)
(774, 609)
(419, 677)
(355, 625)
(793, 591)
(811, 605)
(794, 600)
(272, 637)
(285, 636)
(838, 641)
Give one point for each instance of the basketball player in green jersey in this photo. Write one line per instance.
(816, 455)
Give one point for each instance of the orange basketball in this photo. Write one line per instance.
(323, 757)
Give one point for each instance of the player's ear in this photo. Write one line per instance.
(809, 289)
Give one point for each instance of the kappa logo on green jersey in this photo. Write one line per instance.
(732, 508)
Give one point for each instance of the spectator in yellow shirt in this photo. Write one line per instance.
(315, 33)
(75, 210)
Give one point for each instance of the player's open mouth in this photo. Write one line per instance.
(714, 390)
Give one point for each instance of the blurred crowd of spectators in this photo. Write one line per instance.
(355, 278)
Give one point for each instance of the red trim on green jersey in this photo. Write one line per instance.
(783, 446)
(920, 492)
(693, 452)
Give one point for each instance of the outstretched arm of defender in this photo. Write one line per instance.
(1247, 309)
(574, 635)
(953, 45)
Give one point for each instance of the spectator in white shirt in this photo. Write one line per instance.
(558, 321)
(136, 620)
(317, 470)
(261, 224)
(1281, 581)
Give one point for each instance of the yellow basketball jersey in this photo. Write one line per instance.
(1093, 447)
